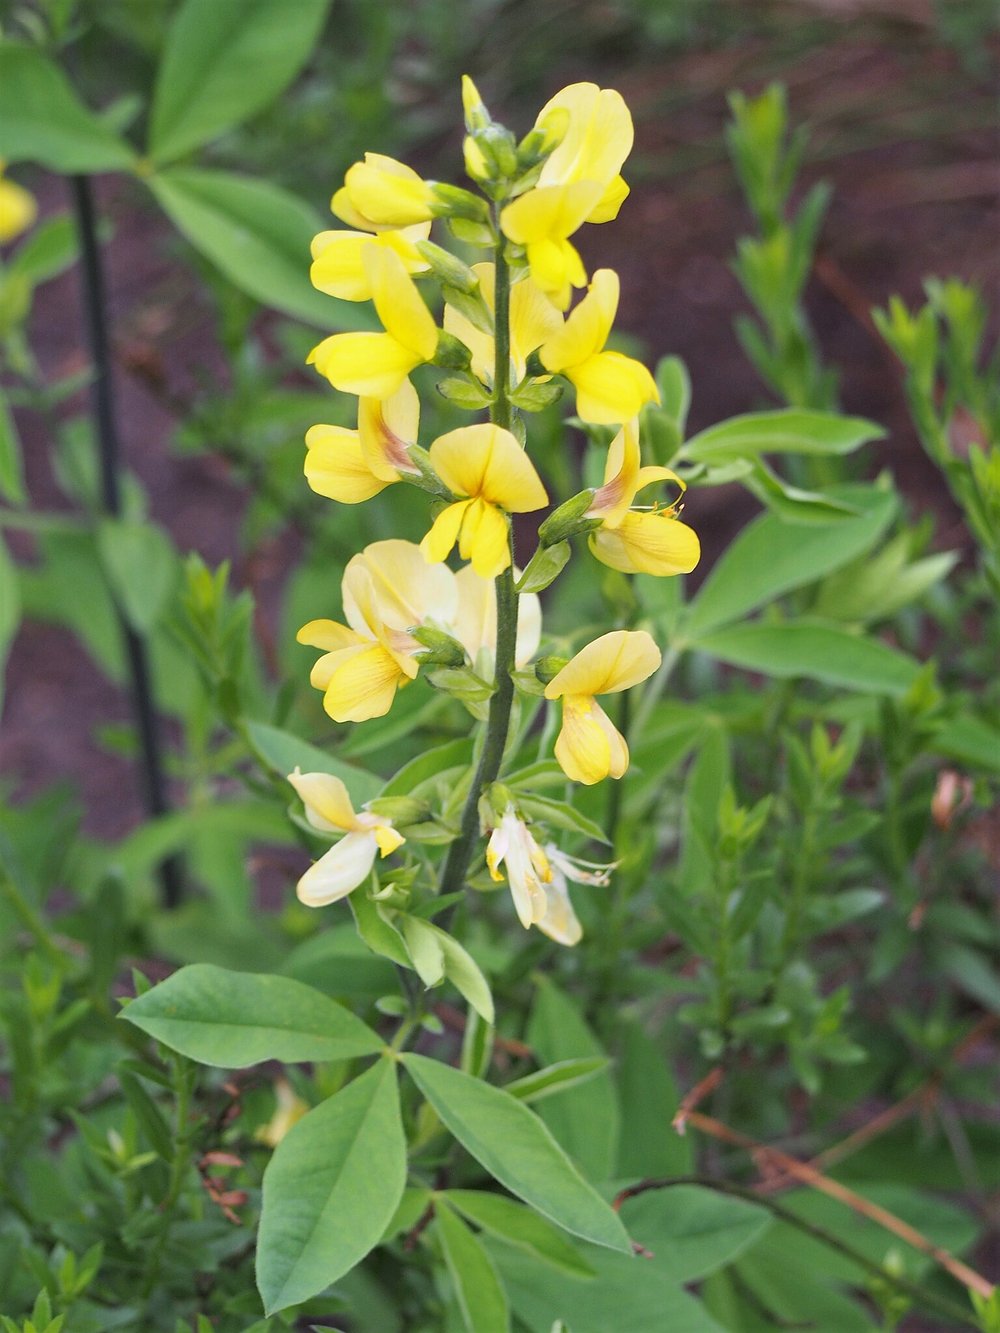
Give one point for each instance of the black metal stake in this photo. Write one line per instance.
(105, 421)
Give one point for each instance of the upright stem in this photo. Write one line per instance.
(105, 421)
(498, 721)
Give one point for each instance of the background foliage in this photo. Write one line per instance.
(802, 931)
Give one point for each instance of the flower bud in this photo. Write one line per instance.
(451, 353)
(448, 267)
(442, 649)
(451, 201)
(568, 519)
(477, 117)
(400, 810)
(547, 668)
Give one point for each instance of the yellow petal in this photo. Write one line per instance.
(364, 686)
(339, 871)
(399, 304)
(487, 460)
(401, 587)
(614, 662)
(475, 621)
(557, 268)
(560, 922)
(611, 387)
(587, 328)
(533, 319)
(437, 544)
(484, 539)
(598, 137)
(18, 210)
(582, 748)
(388, 192)
(372, 365)
(386, 429)
(387, 837)
(336, 467)
(325, 667)
(326, 800)
(554, 212)
(654, 543)
(338, 259)
(327, 634)
(621, 475)
(610, 202)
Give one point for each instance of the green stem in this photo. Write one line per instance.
(185, 1079)
(28, 917)
(926, 1297)
(498, 721)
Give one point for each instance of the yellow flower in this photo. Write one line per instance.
(381, 192)
(374, 365)
(533, 318)
(289, 1111)
(579, 182)
(590, 747)
(486, 464)
(638, 542)
(610, 387)
(353, 465)
(388, 589)
(348, 863)
(475, 622)
(18, 209)
(338, 266)
(512, 845)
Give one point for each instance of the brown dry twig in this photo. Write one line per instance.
(697, 1094)
(766, 1157)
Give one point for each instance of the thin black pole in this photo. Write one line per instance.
(109, 446)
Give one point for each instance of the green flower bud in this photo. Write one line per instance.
(568, 519)
(448, 267)
(547, 668)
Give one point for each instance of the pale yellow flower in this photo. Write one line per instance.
(513, 846)
(353, 465)
(381, 192)
(388, 589)
(590, 747)
(475, 622)
(374, 365)
(610, 387)
(635, 541)
(486, 465)
(349, 862)
(18, 208)
(338, 266)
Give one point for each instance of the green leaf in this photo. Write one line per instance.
(649, 1101)
(970, 740)
(560, 814)
(821, 652)
(517, 1149)
(464, 973)
(693, 1231)
(771, 557)
(43, 120)
(586, 1121)
(283, 752)
(973, 974)
(48, 250)
(557, 1078)
(233, 1019)
(789, 431)
(11, 464)
(427, 765)
(627, 1295)
(140, 563)
(478, 1289)
(258, 235)
(331, 1189)
(223, 62)
(521, 1227)
(381, 937)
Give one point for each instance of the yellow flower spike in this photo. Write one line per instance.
(387, 589)
(353, 465)
(18, 208)
(610, 387)
(650, 542)
(338, 266)
(374, 365)
(533, 318)
(590, 747)
(381, 192)
(347, 864)
(486, 464)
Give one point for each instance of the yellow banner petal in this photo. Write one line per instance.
(327, 802)
(614, 662)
